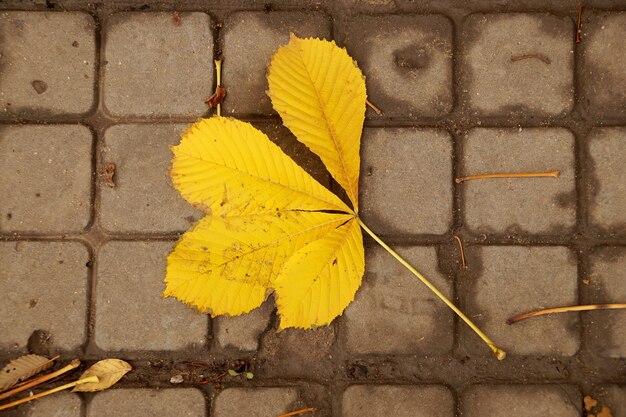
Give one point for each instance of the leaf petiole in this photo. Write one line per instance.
(93, 379)
(40, 380)
(499, 353)
(589, 307)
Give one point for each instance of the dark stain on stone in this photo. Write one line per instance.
(566, 199)
(37, 194)
(75, 44)
(9, 216)
(411, 58)
(32, 303)
(39, 343)
(39, 86)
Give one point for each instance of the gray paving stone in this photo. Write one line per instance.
(500, 78)
(604, 64)
(607, 284)
(406, 180)
(254, 402)
(521, 401)
(154, 68)
(44, 287)
(63, 404)
(607, 149)
(187, 402)
(611, 396)
(397, 401)
(48, 63)
(509, 280)
(250, 40)
(129, 285)
(394, 312)
(243, 332)
(298, 353)
(519, 205)
(411, 76)
(46, 178)
(143, 199)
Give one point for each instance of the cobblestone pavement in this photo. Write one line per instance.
(465, 87)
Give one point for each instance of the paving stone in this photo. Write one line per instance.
(254, 402)
(510, 280)
(604, 64)
(394, 312)
(397, 401)
(243, 332)
(519, 205)
(153, 67)
(63, 404)
(298, 353)
(187, 402)
(51, 166)
(611, 396)
(250, 40)
(48, 63)
(44, 287)
(607, 149)
(143, 199)
(607, 284)
(521, 401)
(518, 64)
(406, 180)
(411, 76)
(129, 285)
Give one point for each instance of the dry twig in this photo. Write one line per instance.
(297, 412)
(589, 307)
(458, 239)
(522, 174)
(51, 391)
(376, 109)
(40, 379)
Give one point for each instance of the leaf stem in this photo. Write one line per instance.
(521, 174)
(458, 239)
(51, 391)
(302, 411)
(376, 109)
(40, 379)
(588, 307)
(499, 353)
(218, 71)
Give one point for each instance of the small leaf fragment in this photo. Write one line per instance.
(108, 371)
(249, 375)
(232, 372)
(22, 368)
(217, 97)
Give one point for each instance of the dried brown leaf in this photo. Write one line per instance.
(217, 97)
(589, 402)
(108, 174)
(22, 368)
(108, 371)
